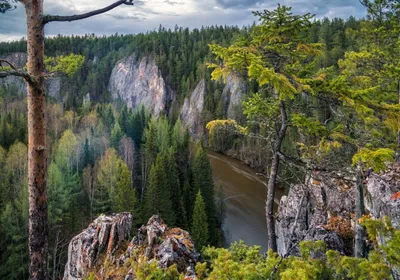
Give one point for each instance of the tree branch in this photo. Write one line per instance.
(50, 18)
(18, 73)
(8, 63)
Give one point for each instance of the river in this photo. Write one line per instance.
(245, 195)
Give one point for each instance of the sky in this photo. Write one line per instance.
(147, 15)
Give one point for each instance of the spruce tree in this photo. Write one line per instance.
(199, 230)
(116, 135)
(203, 181)
(124, 195)
(158, 197)
(174, 187)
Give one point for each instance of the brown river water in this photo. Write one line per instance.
(245, 194)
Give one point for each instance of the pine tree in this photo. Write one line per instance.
(199, 230)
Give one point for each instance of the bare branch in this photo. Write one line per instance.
(50, 18)
(8, 63)
(18, 73)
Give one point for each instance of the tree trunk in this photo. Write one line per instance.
(273, 178)
(359, 244)
(37, 154)
(398, 132)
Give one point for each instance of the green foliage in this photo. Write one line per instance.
(199, 229)
(377, 159)
(66, 64)
(223, 133)
(14, 256)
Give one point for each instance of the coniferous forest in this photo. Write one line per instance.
(321, 102)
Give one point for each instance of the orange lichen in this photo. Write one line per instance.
(340, 225)
(395, 196)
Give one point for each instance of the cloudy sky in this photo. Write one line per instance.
(149, 14)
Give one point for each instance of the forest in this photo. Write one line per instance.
(322, 96)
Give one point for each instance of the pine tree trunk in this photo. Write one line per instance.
(37, 154)
(359, 244)
(272, 180)
(398, 132)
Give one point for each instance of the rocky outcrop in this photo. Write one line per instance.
(105, 235)
(141, 83)
(192, 111)
(324, 210)
(383, 195)
(164, 245)
(304, 213)
(52, 84)
(104, 240)
(233, 95)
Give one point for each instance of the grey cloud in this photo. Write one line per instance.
(142, 18)
(237, 3)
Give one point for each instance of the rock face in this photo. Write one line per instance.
(324, 210)
(164, 245)
(140, 83)
(305, 211)
(233, 95)
(104, 235)
(52, 85)
(191, 113)
(381, 199)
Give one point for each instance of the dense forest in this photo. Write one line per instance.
(330, 103)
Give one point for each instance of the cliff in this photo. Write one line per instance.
(191, 113)
(141, 83)
(234, 94)
(103, 250)
(323, 209)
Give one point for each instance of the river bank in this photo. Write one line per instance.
(245, 194)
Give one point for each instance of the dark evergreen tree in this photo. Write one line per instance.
(203, 181)
(158, 197)
(199, 230)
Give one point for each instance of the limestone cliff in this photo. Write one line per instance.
(104, 251)
(233, 95)
(324, 209)
(52, 84)
(192, 111)
(141, 83)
